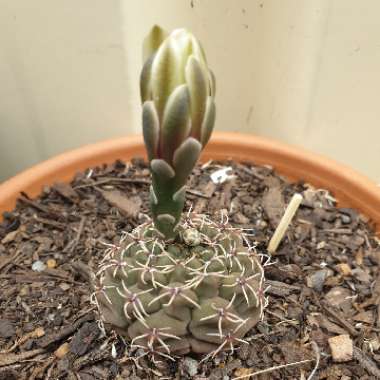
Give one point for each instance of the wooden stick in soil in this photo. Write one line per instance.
(284, 223)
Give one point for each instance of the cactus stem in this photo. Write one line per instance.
(134, 236)
(224, 314)
(231, 301)
(264, 301)
(250, 247)
(229, 339)
(159, 297)
(158, 244)
(118, 264)
(133, 299)
(232, 258)
(154, 335)
(213, 259)
(109, 252)
(146, 269)
(173, 292)
(176, 263)
(153, 352)
(215, 246)
(200, 276)
(243, 283)
(101, 289)
(202, 222)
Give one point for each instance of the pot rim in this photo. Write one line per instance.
(348, 186)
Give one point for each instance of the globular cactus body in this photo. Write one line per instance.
(201, 292)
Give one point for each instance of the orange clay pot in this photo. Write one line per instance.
(350, 188)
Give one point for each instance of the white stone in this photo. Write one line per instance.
(38, 266)
(191, 366)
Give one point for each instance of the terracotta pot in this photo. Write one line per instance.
(351, 189)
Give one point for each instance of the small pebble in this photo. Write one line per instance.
(51, 263)
(345, 219)
(64, 286)
(190, 366)
(38, 266)
(317, 279)
(321, 245)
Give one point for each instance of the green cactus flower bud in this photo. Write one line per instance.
(177, 92)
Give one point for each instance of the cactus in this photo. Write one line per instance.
(200, 292)
(181, 282)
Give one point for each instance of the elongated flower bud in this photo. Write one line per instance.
(177, 92)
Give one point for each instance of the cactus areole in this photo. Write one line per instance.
(179, 283)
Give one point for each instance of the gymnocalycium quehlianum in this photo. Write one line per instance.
(181, 282)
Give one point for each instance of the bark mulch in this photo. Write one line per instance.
(324, 280)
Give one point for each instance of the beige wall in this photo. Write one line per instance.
(305, 72)
(62, 78)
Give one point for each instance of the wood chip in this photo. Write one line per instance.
(341, 348)
(281, 289)
(274, 205)
(128, 206)
(65, 190)
(62, 350)
(9, 237)
(337, 315)
(365, 316)
(344, 269)
(367, 363)
(338, 296)
(65, 332)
